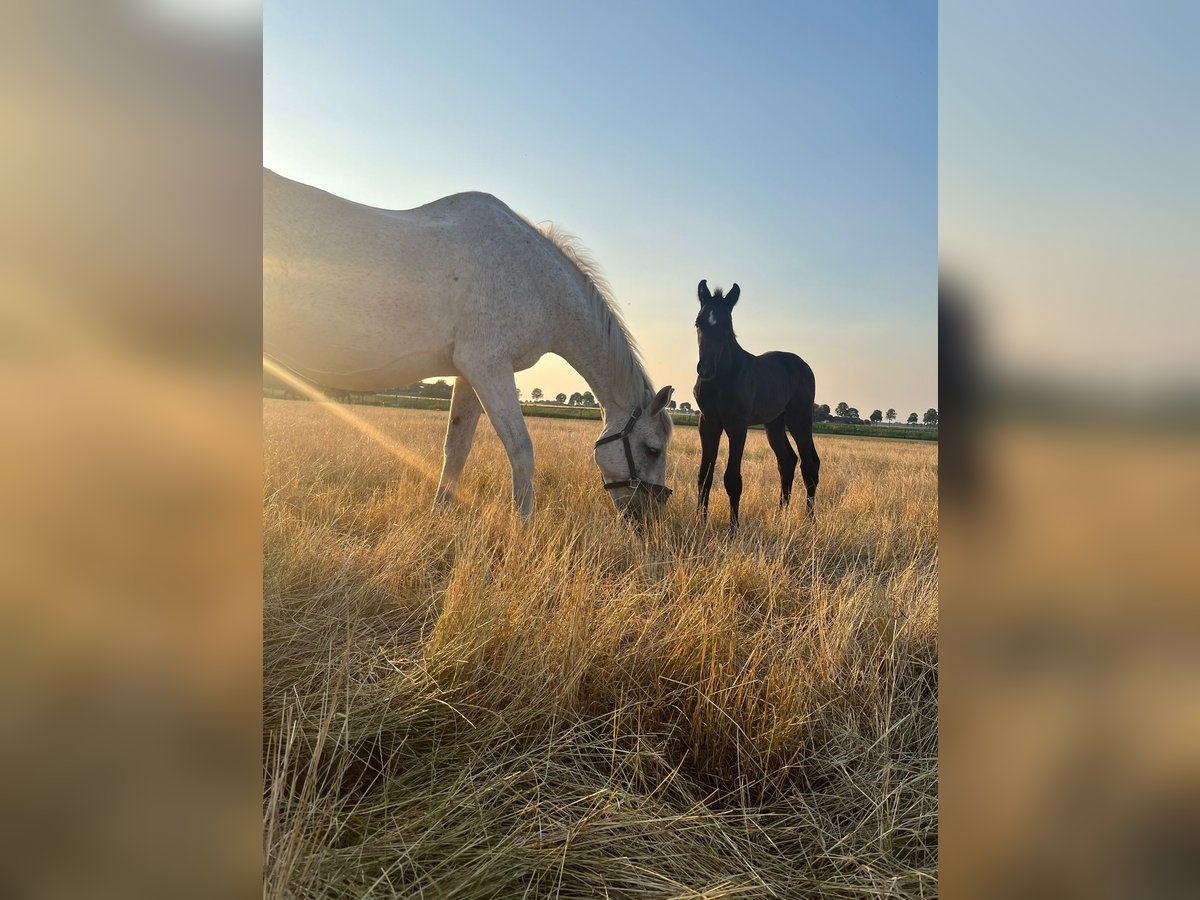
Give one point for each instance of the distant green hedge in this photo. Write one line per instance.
(886, 431)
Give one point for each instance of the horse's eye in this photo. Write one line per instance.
(654, 451)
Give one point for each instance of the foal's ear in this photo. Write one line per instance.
(702, 292)
(659, 403)
(732, 296)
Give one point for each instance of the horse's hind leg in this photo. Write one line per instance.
(785, 458)
(460, 434)
(800, 425)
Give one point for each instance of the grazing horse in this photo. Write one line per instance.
(737, 389)
(367, 299)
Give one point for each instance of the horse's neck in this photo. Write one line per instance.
(738, 358)
(589, 352)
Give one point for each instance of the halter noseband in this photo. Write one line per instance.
(655, 490)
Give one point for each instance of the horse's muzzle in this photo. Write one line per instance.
(645, 495)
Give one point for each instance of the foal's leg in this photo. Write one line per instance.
(785, 458)
(710, 443)
(800, 425)
(497, 391)
(733, 471)
(460, 433)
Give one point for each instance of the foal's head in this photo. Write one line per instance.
(714, 329)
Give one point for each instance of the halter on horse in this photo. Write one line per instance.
(656, 491)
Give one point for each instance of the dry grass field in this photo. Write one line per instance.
(459, 706)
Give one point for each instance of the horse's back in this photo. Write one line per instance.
(301, 220)
(362, 297)
(798, 373)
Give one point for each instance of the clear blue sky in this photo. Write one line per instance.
(791, 147)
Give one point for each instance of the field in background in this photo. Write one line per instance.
(458, 706)
(554, 411)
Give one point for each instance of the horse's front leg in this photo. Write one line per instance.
(710, 444)
(497, 392)
(733, 471)
(460, 434)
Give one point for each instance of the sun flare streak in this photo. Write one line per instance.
(400, 452)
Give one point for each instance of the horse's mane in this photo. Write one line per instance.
(624, 355)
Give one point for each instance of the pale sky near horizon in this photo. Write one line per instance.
(791, 148)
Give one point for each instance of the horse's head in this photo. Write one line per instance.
(632, 455)
(714, 329)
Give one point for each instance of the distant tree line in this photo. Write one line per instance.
(587, 399)
(440, 389)
(843, 413)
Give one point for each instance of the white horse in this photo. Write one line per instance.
(367, 299)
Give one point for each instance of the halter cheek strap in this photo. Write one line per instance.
(623, 437)
(633, 481)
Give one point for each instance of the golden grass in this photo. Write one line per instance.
(459, 706)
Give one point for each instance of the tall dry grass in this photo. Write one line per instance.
(458, 706)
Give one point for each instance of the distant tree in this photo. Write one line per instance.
(852, 413)
(685, 407)
(577, 398)
(537, 395)
(820, 413)
(842, 409)
(912, 418)
(931, 416)
(560, 399)
(672, 405)
(587, 399)
(877, 416)
(825, 410)
(891, 415)
(438, 389)
(518, 393)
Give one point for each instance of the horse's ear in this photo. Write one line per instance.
(702, 292)
(659, 403)
(733, 294)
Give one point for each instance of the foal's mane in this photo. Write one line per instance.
(624, 355)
